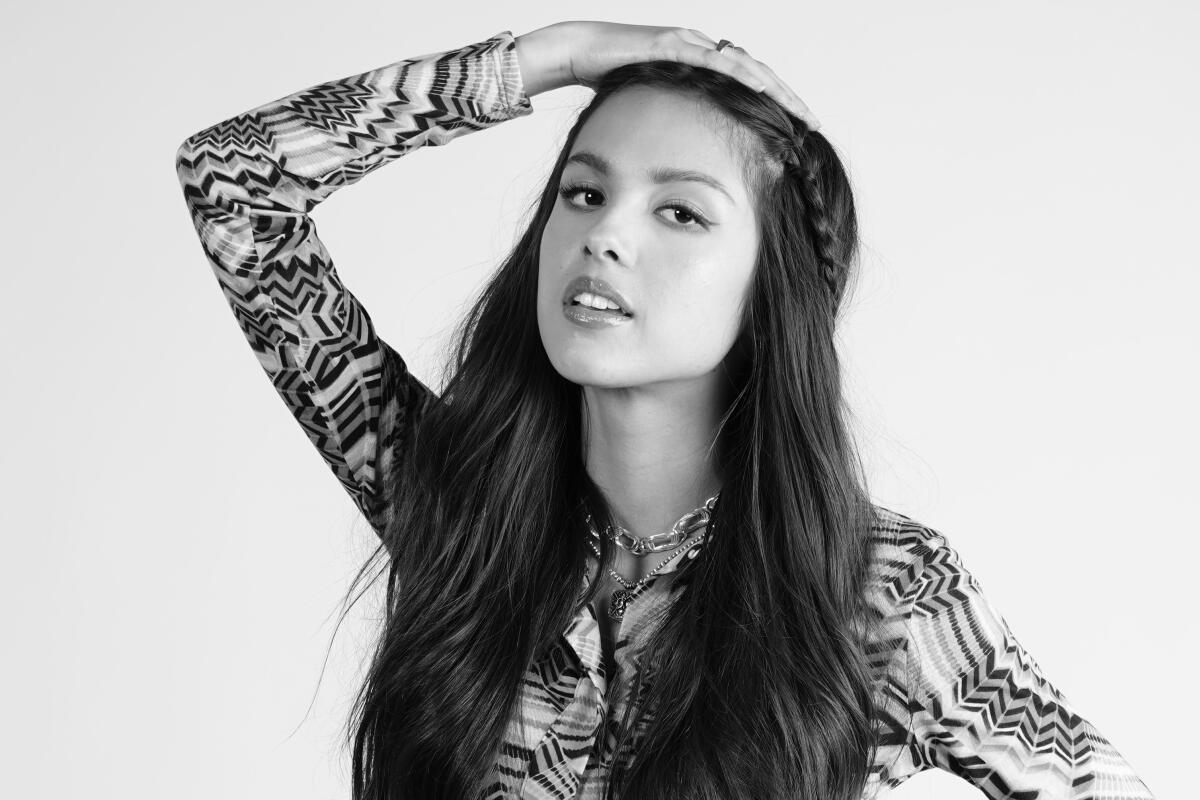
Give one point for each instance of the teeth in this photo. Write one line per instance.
(588, 299)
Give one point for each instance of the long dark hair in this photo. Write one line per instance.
(756, 683)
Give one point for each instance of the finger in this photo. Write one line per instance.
(736, 68)
(781, 91)
(709, 51)
(805, 112)
(700, 50)
(735, 61)
(777, 89)
(700, 37)
(770, 81)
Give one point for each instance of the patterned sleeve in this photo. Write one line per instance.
(250, 184)
(982, 708)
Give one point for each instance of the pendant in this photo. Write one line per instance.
(616, 606)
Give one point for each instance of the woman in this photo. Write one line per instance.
(654, 360)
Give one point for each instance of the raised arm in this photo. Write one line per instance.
(982, 708)
(250, 183)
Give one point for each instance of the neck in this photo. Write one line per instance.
(651, 450)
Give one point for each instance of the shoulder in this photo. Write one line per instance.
(933, 604)
(903, 551)
(916, 572)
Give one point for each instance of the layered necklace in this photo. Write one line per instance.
(689, 529)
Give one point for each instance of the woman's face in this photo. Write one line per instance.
(681, 251)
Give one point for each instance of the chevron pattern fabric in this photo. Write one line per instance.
(955, 689)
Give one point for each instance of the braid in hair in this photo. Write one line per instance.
(824, 235)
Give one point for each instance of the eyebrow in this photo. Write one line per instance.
(657, 174)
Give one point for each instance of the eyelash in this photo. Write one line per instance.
(567, 191)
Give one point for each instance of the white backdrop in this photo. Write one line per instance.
(1021, 352)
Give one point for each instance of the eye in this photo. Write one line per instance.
(570, 191)
(685, 215)
(683, 209)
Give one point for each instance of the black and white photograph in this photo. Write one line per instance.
(772, 401)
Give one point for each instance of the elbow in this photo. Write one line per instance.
(185, 160)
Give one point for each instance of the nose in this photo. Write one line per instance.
(590, 248)
(604, 241)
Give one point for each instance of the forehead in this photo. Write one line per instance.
(641, 128)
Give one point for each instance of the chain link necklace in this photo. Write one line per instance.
(689, 523)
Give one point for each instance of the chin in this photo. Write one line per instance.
(590, 370)
(577, 370)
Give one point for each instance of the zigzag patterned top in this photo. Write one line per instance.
(956, 689)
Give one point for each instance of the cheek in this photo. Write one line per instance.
(551, 257)
(548, 257)
(709, 291)
(696, 314)
(556, 228)
(550, 280)
(712, 311)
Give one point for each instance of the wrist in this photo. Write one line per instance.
(544, 63)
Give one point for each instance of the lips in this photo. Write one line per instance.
(596, 286)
